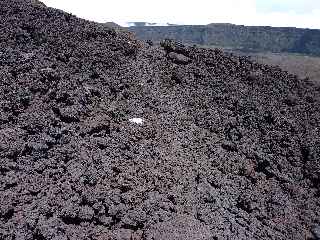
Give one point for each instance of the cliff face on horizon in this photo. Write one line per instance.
(244, 38)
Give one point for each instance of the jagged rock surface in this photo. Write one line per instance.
(228, 148)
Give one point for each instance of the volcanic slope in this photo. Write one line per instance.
(225, 148)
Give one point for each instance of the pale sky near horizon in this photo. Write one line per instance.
(277, 13)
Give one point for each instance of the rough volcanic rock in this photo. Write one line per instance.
(228, 148)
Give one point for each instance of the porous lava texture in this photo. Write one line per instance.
(224, 148)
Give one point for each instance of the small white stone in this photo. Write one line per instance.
(136, 120)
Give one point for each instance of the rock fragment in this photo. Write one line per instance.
(178, 58)
(316, 232)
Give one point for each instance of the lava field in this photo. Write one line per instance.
(103, 136)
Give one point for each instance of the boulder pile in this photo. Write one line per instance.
(106, 137)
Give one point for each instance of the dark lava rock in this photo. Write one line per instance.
(172, 46)
(37, 3)
(149, 42)
(178, 58)
(181, 227)
(227, 149)
(316, 232)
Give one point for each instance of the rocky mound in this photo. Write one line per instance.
(106, 137)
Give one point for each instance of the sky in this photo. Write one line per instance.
(277, 13)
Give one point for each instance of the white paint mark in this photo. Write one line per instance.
(136, 120)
